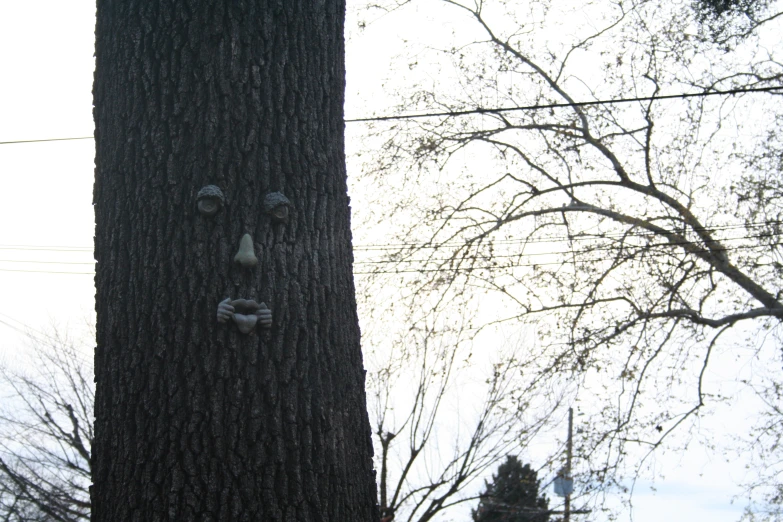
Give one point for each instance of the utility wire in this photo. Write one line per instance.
(609, 248)
(477, 269)
(429, 245)
(567, 104)
(487, 256)
(563, 239)
(29, 330)
(9, 325)
(485, 267)
(495, 110)
(40, 336)
(47, 262)
(48, 139)
(44, 271)
(35, 248)
(557, 239)
(484, 258)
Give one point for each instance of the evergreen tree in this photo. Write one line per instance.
(512, 496)
(717, 8)
(728, 20)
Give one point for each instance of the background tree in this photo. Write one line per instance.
(45, 465)
(764, 445)
(726, 22)
(719, 8)
(46, 433)
(443, 419)
(195, 420)
(638, 240)
(512, 495)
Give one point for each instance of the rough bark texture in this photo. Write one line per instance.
(194, 420)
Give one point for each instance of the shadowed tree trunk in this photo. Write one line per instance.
(194, 419)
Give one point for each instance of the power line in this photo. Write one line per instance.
(484, 267)
(510, 242)
(410, 261)
(44, 271)
(35, 248)
(9, 325)
(562, 239)
(495, 110)
(465, 269)
(30, 330)
(47, 262)
(628, 248)
(48, 139)
(566, 104)
(39, 336)
(429, 245)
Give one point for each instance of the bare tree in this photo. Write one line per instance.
(46, 429)
(636, 238)
(763, 444)
(46, 434)
(438, 432)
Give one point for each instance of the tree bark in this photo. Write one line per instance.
(194, 419)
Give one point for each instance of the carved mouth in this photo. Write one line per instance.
(245, 314)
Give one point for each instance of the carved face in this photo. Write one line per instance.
(244, 312)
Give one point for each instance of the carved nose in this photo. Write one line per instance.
(245, 255)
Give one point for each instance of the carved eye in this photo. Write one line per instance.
(277, 206)
(210, 200)
(280, 212)
(209, 206)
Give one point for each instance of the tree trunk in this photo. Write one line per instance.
(196, 420)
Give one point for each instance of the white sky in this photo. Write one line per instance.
(46, 63)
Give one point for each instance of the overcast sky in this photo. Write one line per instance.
(46, 63)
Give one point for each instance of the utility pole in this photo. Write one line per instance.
(564, 483)
(569, 448)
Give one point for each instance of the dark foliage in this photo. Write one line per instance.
(722, 7)
(726, 21)
(512, 496)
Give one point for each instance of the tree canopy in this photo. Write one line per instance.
(562, 194)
